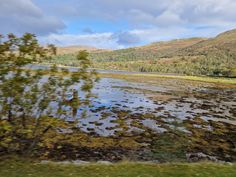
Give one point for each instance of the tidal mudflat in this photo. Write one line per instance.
(157, 119)
(168, 119)
(161, 102)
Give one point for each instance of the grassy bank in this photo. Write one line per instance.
(24, 168)
(220, 80)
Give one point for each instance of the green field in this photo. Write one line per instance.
(25, 168)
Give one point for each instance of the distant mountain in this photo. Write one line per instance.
(225, 42)
(74, 49)
(195, 56)
(147, 52)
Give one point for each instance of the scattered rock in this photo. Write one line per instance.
(196, 157)
(104, 162)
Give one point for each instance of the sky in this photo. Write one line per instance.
(115, 24)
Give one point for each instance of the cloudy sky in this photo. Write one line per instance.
(116, 23)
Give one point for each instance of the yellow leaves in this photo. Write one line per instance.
(26, 131)
(49, 145)
(7, 140)
(54, 122)
(45, 154)
(5, 126)
(84, 140)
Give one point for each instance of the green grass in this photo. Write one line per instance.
(221, 80)
(25, 168)
(203, 79)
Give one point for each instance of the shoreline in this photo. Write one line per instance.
(115, 73)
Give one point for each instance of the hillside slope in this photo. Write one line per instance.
(74, 49)
(215, 56)
(223, 42)
(195, 56)
(147, 52)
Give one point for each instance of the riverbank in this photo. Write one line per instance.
(25, 167)
(217, 80)
(125, 74)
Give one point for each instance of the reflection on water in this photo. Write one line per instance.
(119, 99)
(129, 106)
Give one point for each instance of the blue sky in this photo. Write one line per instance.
(116, 23)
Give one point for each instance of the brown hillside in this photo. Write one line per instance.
(74, 49)
(223, 42)
(167, 47)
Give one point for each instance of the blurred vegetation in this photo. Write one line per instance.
(34, 107)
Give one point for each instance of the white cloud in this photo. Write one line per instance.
(20, 16)
(152, 12)
(148, 21)
(17, 7)
(99, 40)
(129, 38)
(126, 38)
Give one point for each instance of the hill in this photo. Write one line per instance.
(197, 56)
(66, 55)
(215, 56)
(74, 49)
(147, 52)
(223, 42)
(194, 56)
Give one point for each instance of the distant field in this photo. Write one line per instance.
(25, 168)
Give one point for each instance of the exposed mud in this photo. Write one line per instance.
(168, 119)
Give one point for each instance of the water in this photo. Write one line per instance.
(116, 96)
(132, 106)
